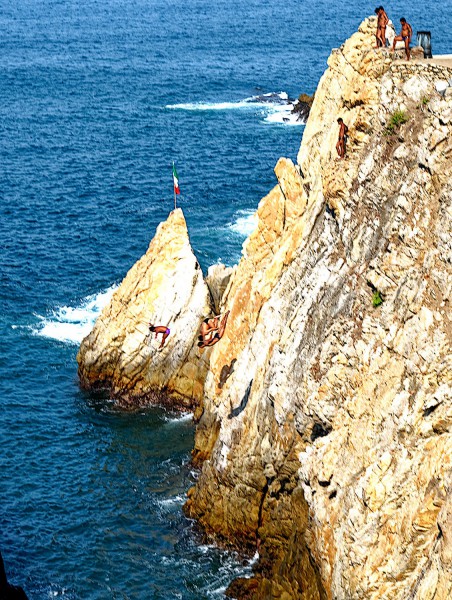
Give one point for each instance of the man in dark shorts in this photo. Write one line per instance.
(214, 335)
(341, 145)
(382, 21)
(405, 36)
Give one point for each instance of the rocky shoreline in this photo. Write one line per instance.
(324, 435)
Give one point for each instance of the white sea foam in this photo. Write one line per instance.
(178, 417)
(211, 105)
(174, 500)
(283, 115)
(71, 324)
(277, 108)
(245, 223)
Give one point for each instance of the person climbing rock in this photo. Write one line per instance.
(214, 338)
(341, 145)
(382, 22)
(160, 329)
(405, 36)
(208, 327)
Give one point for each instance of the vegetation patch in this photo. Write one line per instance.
(397, 119)
(376, 298)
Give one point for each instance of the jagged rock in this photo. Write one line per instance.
(301, 109)
(165, 287)
(217, 279)
(329, 443)
(8, 591)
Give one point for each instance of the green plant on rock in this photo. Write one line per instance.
(399, 117)
(425, 101)
(376, 298)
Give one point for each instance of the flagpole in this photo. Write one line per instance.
(174, 189)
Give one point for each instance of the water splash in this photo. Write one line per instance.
(71, 324)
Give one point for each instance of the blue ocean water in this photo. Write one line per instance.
(98, 99)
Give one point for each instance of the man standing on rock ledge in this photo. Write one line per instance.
(341, 145)
(405, 36)
(382, 21)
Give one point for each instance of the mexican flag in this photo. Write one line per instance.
(176, 181)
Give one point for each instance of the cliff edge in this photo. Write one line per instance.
(326, 433)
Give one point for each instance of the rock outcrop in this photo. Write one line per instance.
(165, 287)
(328, 441)
(325, 432)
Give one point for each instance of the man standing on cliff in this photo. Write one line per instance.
(382, 21)
(405, 36)
(341, 145)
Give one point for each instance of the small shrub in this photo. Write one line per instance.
(376, 299)
(398, 118)
(425, 101)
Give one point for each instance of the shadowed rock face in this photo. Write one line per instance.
(338, 465)
(165, 287)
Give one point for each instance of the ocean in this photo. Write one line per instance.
(98, 100)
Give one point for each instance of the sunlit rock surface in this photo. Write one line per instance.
(326, 433)
(165, 287)
(324, 437)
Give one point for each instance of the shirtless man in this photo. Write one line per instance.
(208, 328)
(382, 21)
(160, 329)
(216, 337)
(342, 141)
(405, 36)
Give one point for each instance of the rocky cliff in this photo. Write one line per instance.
(325, 435)
(329, 442)
(165, 287)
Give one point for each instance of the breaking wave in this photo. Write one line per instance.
(71, 324)
(245, 222)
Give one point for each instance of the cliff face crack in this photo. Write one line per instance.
(425, 568)
(260, 512)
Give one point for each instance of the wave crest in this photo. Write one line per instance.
(71, 324)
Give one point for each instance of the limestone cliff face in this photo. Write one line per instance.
(326, 433)
(165, 287)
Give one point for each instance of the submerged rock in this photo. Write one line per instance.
(165, 287)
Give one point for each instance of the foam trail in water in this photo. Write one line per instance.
(178, 417)
(211, 105)
(276, 107)
(245, 223)
(72, 324)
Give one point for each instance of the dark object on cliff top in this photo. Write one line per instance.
(8, 591)
(302, 106)
(424, 39)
